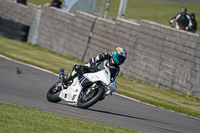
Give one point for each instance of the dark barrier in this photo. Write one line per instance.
(13, 30)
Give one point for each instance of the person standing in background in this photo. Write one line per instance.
(194, 23)
(24, 2)
(55, 3)
(183, 20)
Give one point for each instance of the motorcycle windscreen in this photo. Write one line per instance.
(113, 72)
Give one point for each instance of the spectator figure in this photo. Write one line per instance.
(183, 20)
(194, 23)
(24, 2)
(55, 3)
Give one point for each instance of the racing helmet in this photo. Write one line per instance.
(119, 55)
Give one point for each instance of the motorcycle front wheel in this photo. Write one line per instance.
(86, 100)
(53, 93)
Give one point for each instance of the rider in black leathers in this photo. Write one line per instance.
(117, 58)
(183, 20)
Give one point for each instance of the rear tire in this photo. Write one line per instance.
(54, 96)
(98, 95)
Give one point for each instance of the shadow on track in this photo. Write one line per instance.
(128, 116)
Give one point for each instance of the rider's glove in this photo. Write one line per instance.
(94, 67)
(172, 25)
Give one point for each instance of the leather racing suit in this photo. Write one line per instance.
(183, 21)
(78, 69)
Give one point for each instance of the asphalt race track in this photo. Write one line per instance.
(27, 86)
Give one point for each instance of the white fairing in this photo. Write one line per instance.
(113, 86)
(103, 76)
(72, 93)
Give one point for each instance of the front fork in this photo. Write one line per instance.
(89, 92)
(91, 89)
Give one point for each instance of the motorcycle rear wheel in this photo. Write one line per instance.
(52, 95)
(95, 98)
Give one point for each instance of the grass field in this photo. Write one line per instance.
(17, 119)
(155, 10)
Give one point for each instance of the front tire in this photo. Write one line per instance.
(52, 95)
(94, 99)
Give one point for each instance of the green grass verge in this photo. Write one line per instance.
(17, 119)
(155, 10)
(168, 99)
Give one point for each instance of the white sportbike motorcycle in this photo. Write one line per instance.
(85, 90)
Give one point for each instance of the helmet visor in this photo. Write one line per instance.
(120, 58)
